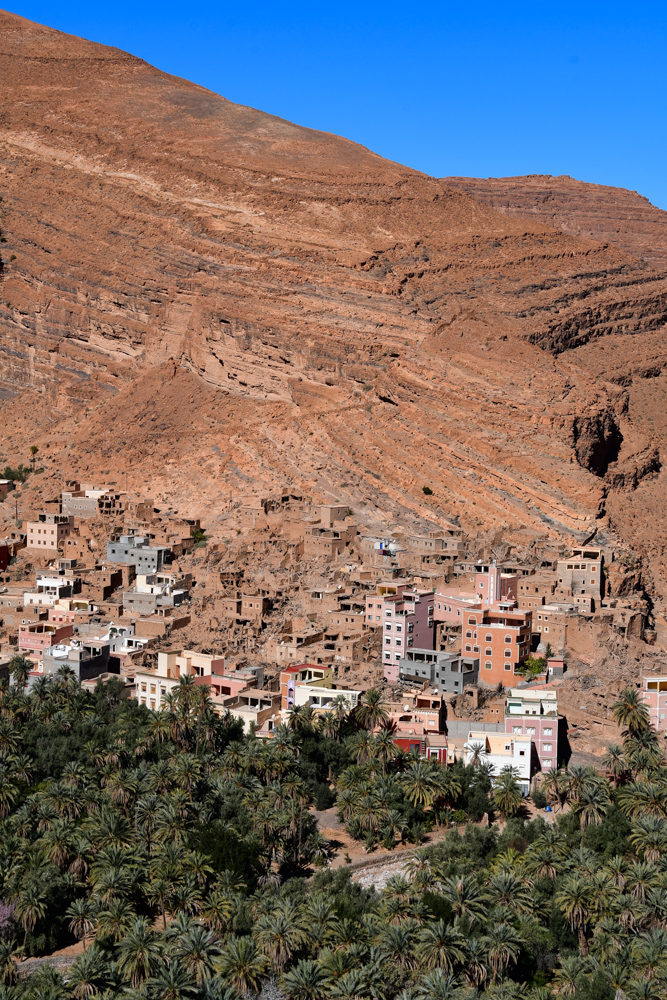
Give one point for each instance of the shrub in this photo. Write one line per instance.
(539, 798)
(427, 490)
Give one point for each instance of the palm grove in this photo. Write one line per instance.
(178, 852)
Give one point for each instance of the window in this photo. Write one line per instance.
(508, 652)
(487, 665)
(530, 730)
(488, 638)
(378, 618)
(517, 729)
(468, 634)
(468, 649)
(458, 611)
(388, 627)
(488, 652)
(472, 621)
(548, 731)
(508, 638)
(522, 753)
(508, 746)
(387, 641)
(399, 642)
(548, 747)
(547, 763)
(508, 666)
(399, 628)
(387, 656)
(398, 656)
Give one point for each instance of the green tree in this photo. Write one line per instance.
(506, 793)
(630, 713)
(371, 711)
(241, 964)
(139, 953)
(306, 981)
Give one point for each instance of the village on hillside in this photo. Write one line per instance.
(299, 611)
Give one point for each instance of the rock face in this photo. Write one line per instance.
(612, 215)
(184, 277)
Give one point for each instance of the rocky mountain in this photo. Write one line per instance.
(208, 299)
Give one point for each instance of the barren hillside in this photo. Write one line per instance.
(207, 298)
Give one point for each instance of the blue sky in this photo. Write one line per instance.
(485, 89)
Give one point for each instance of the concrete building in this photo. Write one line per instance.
(134, 550)
(580, 577)
(153, 591)
(533, 712)
(47, 532)
(550, 622)
(49, 589)
(254, 708)
(501, 750)
(36, 637)
(88, 658)
(449, 672)
(151, 686)
(299, 673)
(321, 697)
(406, 620)
(500, 638)
(654, 696)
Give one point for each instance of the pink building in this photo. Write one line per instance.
(406, 619)
(37, 636)
(488, 588)
(534, 712)
(654, 695)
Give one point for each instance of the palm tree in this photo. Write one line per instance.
(115, 920)
(418, 784)
(592, 805)
(507, 796)
(437, 985)
(218, 910)
(279, 935)
(630, 713)
(643, 798)
(570, 976)
(649, 837)
(89, 974)
(81, 914)
(440, 944)
(171, 982)
(614, 763)
(477, 752)
(9, 954)
(371, 711)
(197, 950)
(19, 669)
(30, 907)
(503, 945)
(384, 747)
(465, 898)
(575, 902)
(397, 942)
(241, 964)
(474, 968)
(139, 953)
(508, 890)
(306, 981)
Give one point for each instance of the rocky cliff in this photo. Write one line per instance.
(198, 293)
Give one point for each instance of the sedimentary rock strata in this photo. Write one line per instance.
(182, 274)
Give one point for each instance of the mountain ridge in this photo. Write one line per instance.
(389, 330)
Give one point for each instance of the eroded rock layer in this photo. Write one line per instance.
(315, 313)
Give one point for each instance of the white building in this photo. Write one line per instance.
(502, 750)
